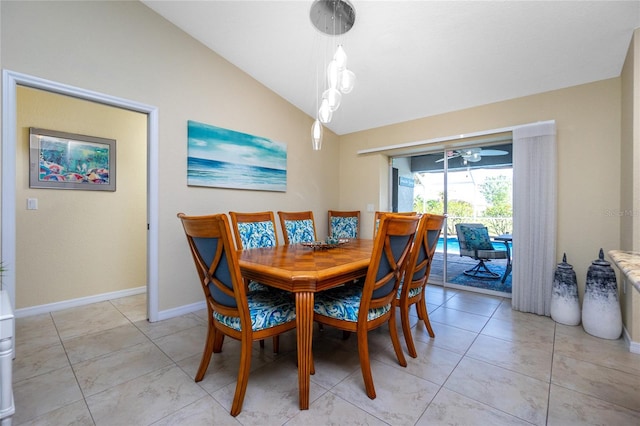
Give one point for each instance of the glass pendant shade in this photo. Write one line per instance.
(324, 113)
(333, 75)
(333, 97)
(340, 57)
(331, 17)
(316, 135)
(347, 81)
(474, 158)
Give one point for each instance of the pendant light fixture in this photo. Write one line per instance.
(333, 18)
(316, 135)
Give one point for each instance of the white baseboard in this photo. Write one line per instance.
(73, 303)
(181, 310)
(66, 304)
(634, 347)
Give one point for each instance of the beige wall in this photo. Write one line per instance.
(126, 50)
(146, 59)
(627, 197)
(80, 243)
(630, 179)
(588, 135)
(1, 67)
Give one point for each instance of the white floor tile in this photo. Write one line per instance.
(105, 364)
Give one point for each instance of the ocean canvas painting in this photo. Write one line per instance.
(224, 158)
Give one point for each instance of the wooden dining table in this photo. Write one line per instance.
(305, 271)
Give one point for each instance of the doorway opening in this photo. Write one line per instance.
(471, 184)
(10, 82)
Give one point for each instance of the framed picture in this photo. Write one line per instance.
(63, 160)
(223, 158)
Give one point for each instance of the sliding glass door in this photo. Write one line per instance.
(430, 196)
(472, 185)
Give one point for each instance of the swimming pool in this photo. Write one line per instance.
(454, 248)
(452, 245)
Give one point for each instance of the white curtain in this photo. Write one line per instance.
(534, 216)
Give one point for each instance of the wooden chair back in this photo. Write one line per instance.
(419, 264)
(253, 230)
(216, 260)
(298, 227)
(391, 250)
(344, 224)
(416, 275)
(379, 214)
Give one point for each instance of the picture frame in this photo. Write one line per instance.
(223, 158)
(62, 160)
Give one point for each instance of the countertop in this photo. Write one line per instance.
(629, 264)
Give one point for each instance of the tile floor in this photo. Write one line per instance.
(104, 364)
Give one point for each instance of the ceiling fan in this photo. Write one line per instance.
(472, 155)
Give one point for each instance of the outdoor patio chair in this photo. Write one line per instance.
(475, 242)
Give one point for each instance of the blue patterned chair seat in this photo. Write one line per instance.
(300, 231)
(412, 292)
(344, 303)
(344, 227)
(267, 309)
(256, 286)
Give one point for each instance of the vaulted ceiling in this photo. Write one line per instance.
(414, 59)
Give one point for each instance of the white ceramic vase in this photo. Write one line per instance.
(565, 304)
(601, 314)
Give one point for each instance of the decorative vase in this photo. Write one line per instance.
(565, 305)
(601, 315)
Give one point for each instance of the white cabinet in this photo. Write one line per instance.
(7, 328)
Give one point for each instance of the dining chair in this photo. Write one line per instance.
(416, 275)
(361, 308)
(344, 224)
(256, 229)
(298, 227)
(232, 311)
(379, 214)
(253, 230)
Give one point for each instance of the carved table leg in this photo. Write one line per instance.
(304, 324)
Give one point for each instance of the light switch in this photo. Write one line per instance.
(369, 207)
(32, 204)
